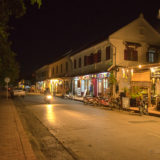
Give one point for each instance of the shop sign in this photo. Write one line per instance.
(78, 91)
(103, 75)
(155, 72)
(125, 102)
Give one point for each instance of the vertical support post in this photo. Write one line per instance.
(7, 91)
(149, 96)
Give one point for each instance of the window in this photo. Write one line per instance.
(75, 63)
(85, 60)
(130, 54)
(61, 68)
(57, 69)
(53, 71)
(66, 66)
(91, 58)
(108, 53)
(99, 56)
(152, 56)
(79, 62)
(95, 57)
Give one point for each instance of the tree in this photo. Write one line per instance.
(10, 8)
(112, 81)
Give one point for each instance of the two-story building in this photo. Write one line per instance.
(123, 54)
(90, 66)
(137, 49)
(42, 76)
(59, 75)
(124, 50)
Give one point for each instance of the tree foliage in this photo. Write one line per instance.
(10, 8)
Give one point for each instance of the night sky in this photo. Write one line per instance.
(44, 34)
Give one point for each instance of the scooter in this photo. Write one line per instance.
(143, 107)
(48, 98)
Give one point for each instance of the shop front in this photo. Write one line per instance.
(91, 84)
(59, 86)
(40, 86)
(141, 85)
(155, 77)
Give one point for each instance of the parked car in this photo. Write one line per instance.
(17, 92)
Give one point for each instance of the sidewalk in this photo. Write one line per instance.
(152, 111)
(14, 144)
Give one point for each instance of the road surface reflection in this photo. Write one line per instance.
(50, 113)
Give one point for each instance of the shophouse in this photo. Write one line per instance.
(137, 49)
(90, 69)
(42, 76)
(60, 75)
(122, 52)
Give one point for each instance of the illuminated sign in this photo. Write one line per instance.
(155, 72)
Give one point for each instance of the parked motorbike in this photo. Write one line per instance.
(143, 107)
(48, 98)
(104, 101)
(88, 100)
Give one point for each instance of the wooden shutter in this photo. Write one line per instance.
(75, 64)
(156, 57)
(147, 56)
(125, 54)
(91, 58)
(85, 60)
(108, 53)
(135, 55)
(88, 61)
(79, 62)
(99, 56)
(95, 57)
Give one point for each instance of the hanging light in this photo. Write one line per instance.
(139, 66)
(152, 69)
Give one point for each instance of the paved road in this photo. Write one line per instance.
(93, 133)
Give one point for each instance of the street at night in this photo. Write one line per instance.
(79, 80)
(68, 129)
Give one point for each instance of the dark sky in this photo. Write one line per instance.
(61, 25)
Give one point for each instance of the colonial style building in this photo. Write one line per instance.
(90, 69)
(42, 75)
(60, 75)
(123, 54)
(56, 76)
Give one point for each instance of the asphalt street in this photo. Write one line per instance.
(96, 133)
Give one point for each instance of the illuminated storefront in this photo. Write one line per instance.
(155, 76)
(93, 84)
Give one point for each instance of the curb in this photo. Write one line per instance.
(26, 146)
(136, 111)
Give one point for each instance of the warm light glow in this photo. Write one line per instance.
(123, 72)
(152, 70)
(139, 66)
(55, 80)
(49, 97)
(153, 80)
(131, 72)
(50, 113)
